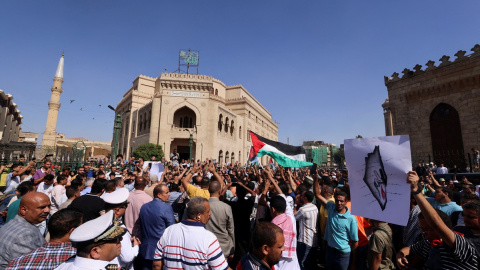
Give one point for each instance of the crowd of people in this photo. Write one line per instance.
(202, 215)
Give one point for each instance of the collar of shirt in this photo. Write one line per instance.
(86, 263)
(58, 245)
(256, 261)
(346, 214)
(22, 220)
(193, 223)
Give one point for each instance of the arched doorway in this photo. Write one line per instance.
(446, 134)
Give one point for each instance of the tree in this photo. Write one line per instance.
(147, 150)
(339, 157)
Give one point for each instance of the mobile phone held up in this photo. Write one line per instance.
(313, 169)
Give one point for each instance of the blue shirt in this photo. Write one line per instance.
(340, 228)
(447, 208)
(154, 217)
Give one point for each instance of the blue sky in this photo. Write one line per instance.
(317, 66)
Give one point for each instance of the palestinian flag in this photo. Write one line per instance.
(285, 155)
(252, 156)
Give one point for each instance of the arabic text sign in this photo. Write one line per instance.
(377, 172)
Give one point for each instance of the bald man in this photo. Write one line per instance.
(20, 235)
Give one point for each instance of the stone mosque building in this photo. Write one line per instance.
(167, 109)
(439, 107)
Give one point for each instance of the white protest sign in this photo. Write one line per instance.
(377, 173)
(157, 168)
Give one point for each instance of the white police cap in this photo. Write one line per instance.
(103, 228)
(119, 196)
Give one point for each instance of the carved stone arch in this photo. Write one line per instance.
(226, 124)
(190, 106)
(446, 136)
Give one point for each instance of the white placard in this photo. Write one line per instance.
(157, 168)
(184, 94)
(377, 173)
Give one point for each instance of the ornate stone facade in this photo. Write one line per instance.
(167, 109)
(438, 107)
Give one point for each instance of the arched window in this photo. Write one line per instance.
(248, 135)
(133, 127)
(226, 124)
(184, 118)
(231, 127)
(220, 122)
(227, 157)
(232, 159)
(140, 124)
(216, 92)
(145, 121)
(240, 132)
(220, 156)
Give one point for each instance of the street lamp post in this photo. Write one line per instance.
(191, 141)
(116, 126)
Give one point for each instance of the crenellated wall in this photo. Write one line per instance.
(415, 98)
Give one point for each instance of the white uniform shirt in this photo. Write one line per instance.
(79, 263)
(125, 259)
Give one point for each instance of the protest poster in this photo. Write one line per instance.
(157, 168)
(377, 173)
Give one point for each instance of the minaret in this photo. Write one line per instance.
(49, 136)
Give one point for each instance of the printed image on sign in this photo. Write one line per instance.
(377, 172)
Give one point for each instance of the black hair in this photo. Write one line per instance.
(98, 185)
(70, 191)
(63, 221)
(24, 187)
(309, 195)
(279, 203)
(265, 233)
(60, 178)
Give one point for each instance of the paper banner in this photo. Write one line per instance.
(377, 173)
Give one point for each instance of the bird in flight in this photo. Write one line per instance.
(72, 100)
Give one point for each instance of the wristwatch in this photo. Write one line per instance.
(416, 192)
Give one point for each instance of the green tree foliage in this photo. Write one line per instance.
(147, 150)
(339, 157)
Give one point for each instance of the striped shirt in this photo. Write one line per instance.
(188, 245)
(307, 217)
(463, 257)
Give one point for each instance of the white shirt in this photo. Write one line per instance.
(442, 170)
(82, 263)
(12, 182)
(307, 221)
(45, 189)
(125, 259)
(57, 198)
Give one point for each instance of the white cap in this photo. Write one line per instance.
(119, 196)
(101, 228)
